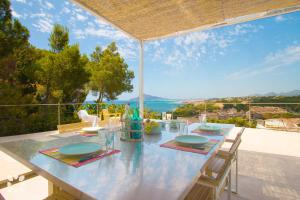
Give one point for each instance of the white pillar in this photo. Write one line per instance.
(141, 79)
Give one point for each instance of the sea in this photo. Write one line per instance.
(154, 105)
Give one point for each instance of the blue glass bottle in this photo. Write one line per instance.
(136, 124)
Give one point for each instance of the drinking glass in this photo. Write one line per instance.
(202, 119)
(184, 128)
(111, 128)
(109, 140)
(177, 126)
(167, 126)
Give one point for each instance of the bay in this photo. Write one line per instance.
(158, 106)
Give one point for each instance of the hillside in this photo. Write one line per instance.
(285, 94)
(148, 97)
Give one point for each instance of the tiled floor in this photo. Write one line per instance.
(268, 177)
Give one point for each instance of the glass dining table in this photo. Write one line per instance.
(142, 170)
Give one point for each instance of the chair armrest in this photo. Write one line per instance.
(229, 140)
(207, 181)
(224, 154)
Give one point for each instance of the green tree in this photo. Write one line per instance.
(12, 33)
(17, 57)
(62, 76)
(110, 75)
(59, 38)
(17, 74)
(12, 37)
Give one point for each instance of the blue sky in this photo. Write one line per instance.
(254, 57)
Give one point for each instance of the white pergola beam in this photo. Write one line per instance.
(141, 79)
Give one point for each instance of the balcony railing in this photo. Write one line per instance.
(30, 118)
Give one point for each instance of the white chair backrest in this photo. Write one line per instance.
(164, 116)
(84, 116)
(237, 141)
(169, 116)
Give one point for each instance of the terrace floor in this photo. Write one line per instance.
(269, 163)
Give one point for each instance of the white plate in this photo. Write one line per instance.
(191, 139)
(92, 129)
(80, 149)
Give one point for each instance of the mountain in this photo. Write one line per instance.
(148, 97)
(286, 94)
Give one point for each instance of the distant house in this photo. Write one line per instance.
(275, 123)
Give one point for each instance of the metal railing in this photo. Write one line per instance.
(58, 105)
(61, 112)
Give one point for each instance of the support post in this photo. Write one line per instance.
(141, 79)
(97, 109)
(249, 113)
(58, 113)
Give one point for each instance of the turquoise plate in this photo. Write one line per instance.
(209, 128)
(80, 149)
(191, 139)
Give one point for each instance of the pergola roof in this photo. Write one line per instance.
(153, 19)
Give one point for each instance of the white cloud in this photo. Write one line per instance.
(287, 56)
(21, 1)
(271, 62)
(65, 10)
(15, 14)
(189, 51)
(78, 10)
(81, 17)
(127, 47)
(241, 29)
(99, 32)
(279, 18)
(42, 21)
(196, 37)
(41, 14)
(49, 5)
(44, 25)
(159, 53)
(127, 50)
(100, 23)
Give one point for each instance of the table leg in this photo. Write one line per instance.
(56, 193)
(229, 186)
(50, 188)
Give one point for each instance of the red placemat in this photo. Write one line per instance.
(88, 134)
(77, 161)
(203, 149)
(204, 132)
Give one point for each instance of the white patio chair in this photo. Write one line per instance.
(210, 186)
(164, 116)
(169, 116)
(85, 117)
(216, 164)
